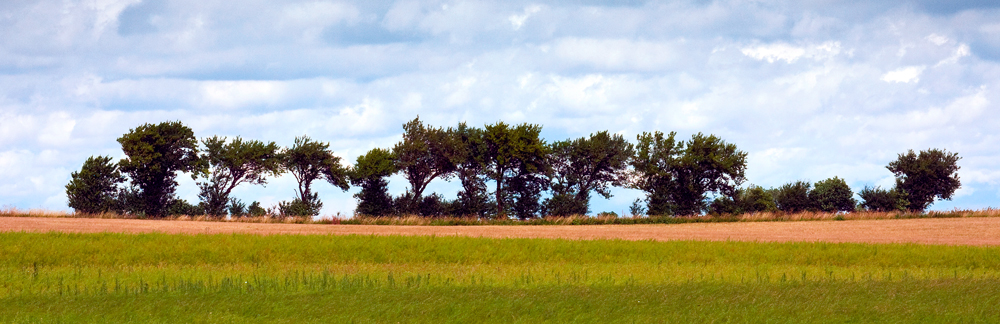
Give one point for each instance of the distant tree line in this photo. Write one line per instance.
(703, 174)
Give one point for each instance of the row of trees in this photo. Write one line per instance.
(703, 174)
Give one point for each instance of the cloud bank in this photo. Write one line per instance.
(810, 89)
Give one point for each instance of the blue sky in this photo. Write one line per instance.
(810, 89)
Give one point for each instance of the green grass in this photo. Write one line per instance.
(57, 277)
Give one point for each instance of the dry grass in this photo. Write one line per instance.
(9, 211)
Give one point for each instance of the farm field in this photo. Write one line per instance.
(962, 230)
(240, 277)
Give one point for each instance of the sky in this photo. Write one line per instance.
(809, 89)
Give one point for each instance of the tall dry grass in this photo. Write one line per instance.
(547, 220)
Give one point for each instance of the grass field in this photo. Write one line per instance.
(57, 277)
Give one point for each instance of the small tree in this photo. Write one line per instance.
(924, 177)
(832, 195)
(878, 199)
(793, 197)
(653, 167)
(95, 188)
(584, 165)
(155, 154)
(308, 161)
(755, 199)
(369, 173)
(233, 163)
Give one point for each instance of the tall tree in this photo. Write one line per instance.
(474, 198)
(924, 177)
(654, 163)
(425, 153)
(678, 176)
(308, 161)
(583, 165)
(511, 152)
(155, 153)
(95, 188)
(230, 164)
(369, 173)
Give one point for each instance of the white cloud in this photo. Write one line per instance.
(615, 53)
(937, 39)
(517, 21)
(904, 75)
(790, 53)
(960, 52)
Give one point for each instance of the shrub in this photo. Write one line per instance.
(878, 199)
(794, 197)
(95, 188)
(833, 195)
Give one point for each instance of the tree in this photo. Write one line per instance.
(155, 153)
(653, 169)
(470, 167)
(95, 188)
(424, 154)
(513, 152)
(924, 177)
(369, 173)
(752, 199)
(308, 161)
(793, 197)
(832, 195)
(678, 176)
(583, 165)
(233, 163)
(878, 199)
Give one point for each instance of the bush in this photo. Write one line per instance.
(755, 199)
(794, 197)
(95, 188)
(878, 199)
(255, 210)
(298, 207)
(833, 195)
(182, 207)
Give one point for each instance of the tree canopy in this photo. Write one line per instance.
(931, 174)
(233, 163)
(95, 188)
(583, 165)
(308, 161)
(514, 154)
(154, 154)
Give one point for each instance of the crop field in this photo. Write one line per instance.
(158, 277)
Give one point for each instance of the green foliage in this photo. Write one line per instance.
(95, 188)
(369, 173)
(832, 195)
(154, 154)
(878, 199)
(474, 198)
(637, 209)
(753, 199)
(515, 156)
(182, 207)
(924, 177)
(233, 163)
(255, 210)
(298, 207)
(237, 208)
(583, 165)
(308, 161)
(678, 176)
(794, 197)
(424, 154)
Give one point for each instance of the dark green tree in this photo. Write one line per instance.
(924, 177)
(793, 197)
(832, 195)
(425, 153)
(94, 189)
(231, 164)
(752, 199)
(881, 200)
(653, 165)
(678, 176)
(369, 173)
(308, 161)
(583, 165)
(155, 153)
(514, 152)
(474, 198)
